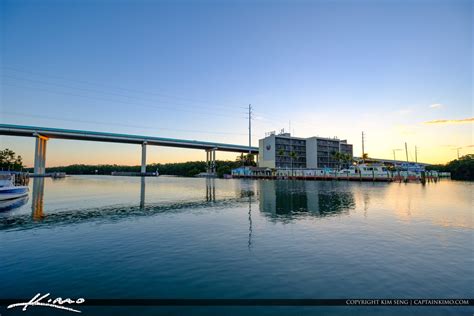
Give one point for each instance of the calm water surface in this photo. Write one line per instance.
(167, 237)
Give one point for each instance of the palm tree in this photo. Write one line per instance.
(250, 159)
(338, 157)
(348, 159)
(292, 156)
(281, 152)
(365, 156)
(246, 160)
(240, 159)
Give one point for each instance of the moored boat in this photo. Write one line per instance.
(371, 172)
(13, 203)
(8, 190)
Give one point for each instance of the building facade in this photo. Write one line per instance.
(285, 151)
(282, 151)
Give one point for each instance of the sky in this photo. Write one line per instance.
(401, 71)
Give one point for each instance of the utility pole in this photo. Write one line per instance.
(250, 129)
(406, 150)
(363, 150)
(458, 151)
(416, 154)
(394, 151)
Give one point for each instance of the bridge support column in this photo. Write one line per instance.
(40, 154)
(210, 161)
(213, 164)
(143, 169)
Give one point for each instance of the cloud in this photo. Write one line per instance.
(461, 121)
(436, 106)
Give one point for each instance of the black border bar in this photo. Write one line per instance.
(263, 302)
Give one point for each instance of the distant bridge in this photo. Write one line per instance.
(43, 134)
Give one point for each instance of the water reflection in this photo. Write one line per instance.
(279, 200)
(38, 198)
(250, 222)
(248, 192)
(286, 200)
(210, 189)
(142, 192)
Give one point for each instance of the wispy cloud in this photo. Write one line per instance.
(461, 121)
(436, 106)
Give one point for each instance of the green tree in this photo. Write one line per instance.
(224, 169)
(184, 169)
(460, 169)
(336, 156)
(10, 161)
(246, 159)
(347, 159)
(365, 156)
(293, 157)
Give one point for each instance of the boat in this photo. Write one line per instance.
(408, 172)
(8, 190)
(13, 203)
(372, 172)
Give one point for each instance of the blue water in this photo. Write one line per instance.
(170, 237)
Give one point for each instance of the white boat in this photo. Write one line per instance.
(8, 190)
(375, 172)
(13, 203)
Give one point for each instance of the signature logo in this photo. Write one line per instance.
(43, 300)
(269, 147)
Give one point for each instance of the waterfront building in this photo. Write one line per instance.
(286, 151)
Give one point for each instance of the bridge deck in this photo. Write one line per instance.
(30, 131)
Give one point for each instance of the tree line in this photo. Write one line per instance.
(185, 169)
(460, 169)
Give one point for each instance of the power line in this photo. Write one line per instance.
(103, 92)
(115, 124)
(118, 101)
(186, 99)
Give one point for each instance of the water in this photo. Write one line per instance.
(169, 237)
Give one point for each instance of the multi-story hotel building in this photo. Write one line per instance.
(285, 151)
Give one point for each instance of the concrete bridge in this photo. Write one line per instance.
(43, 134)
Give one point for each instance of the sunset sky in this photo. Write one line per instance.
(401, 71)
